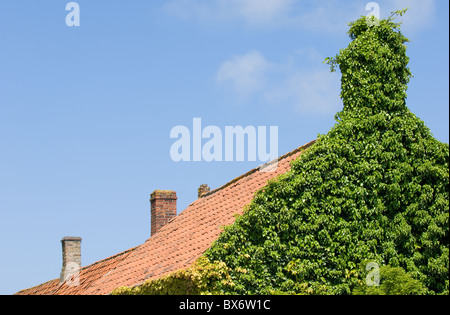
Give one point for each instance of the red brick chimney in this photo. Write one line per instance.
(163, 208)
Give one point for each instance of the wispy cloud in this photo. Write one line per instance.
(311, 15)
(419, 16)
(253, 12)
(314, 91)
(306, 89)
(294, 83)
(329, 16)
(257, 12)
(244, 74)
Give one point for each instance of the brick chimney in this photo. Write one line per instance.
(71, 252)
(203, 189)
(163, 208)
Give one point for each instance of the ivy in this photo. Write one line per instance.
(199, 279)
(375, 188)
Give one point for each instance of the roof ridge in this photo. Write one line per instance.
(303, 147)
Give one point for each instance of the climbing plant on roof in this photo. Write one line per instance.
(374, 188)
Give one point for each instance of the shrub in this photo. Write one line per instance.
(393, 281)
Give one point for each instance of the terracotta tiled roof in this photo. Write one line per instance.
(178, 244)
(88, 275)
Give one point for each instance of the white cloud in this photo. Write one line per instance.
(307, 89)
(326, 16)
(317, 15)
(330, 16)
(254, 12)
(257, 12)
(188, 9)
(244, 74)
(420, 13)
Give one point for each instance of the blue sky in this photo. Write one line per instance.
(86, 112)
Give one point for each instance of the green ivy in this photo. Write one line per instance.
(201, 278)
(375, 188)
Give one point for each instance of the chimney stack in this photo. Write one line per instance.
(203, 189)
(163, 208)
(71, 250)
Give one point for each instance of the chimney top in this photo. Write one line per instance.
(72, 238)
(158, 194)
(202, 190)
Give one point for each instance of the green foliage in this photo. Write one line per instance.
(393, 281)
(376, 187)
(199, 279)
